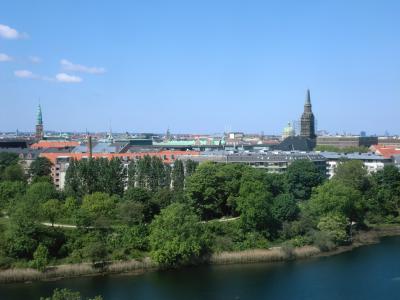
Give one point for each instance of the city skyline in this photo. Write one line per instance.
(200, 67)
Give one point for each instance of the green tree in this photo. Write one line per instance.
(132, 174)
(204, 190)
(71, 207)
(140, 200)
(302, 176)
(40, 258)
(66, 294)
(41, 166)
(114, 177)
(168, 171)
(132, 212)
(22, 234)
(190, 167)
(39, 193)
(88, 176)
(285, 208)
(10, 190)
(163, 197)
(95, 249)
(143, 171)
(127, 241)
(51, 210)
(73, 180)
(177, 237)
(178, 175)
(334, 225)
(7, 159)
(229, 177)
(384, 195)
(276, 183)
(352, 173)
(254, 204)
(98, 209)
(14, 173)
(336, 197)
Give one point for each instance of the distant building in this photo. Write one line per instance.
(306, 140)
(235, 135)
(26, 156)
(396, 160)
(273, 161)
(13, 143)
(307, 121)
(389, 141)
(386, 151)
(347, 141)
(371, 161)
(295, 143)
(39, 135)
(288, 131)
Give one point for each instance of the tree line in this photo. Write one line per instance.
(174, 214)
(87, 176)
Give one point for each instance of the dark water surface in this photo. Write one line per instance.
(371, 272)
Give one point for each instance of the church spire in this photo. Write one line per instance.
(308, 97)
(39, 135)
(39, 118)
(307, 121)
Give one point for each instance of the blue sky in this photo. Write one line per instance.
(200, 66)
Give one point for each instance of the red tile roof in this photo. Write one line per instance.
(167, 156)
(53, 144)
(386, 151)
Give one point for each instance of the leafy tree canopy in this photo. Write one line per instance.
(352, 173)
(336, 197)
(302, 176)
(41, 166)
(177, 237)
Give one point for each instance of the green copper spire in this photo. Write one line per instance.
(39, 120)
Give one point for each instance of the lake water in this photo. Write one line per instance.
(371, 272)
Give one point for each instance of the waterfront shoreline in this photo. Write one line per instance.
(134, 267)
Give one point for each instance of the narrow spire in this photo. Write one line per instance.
(308, 97)
(110, 135)
(39, 119)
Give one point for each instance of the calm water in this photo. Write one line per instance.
(371, 272)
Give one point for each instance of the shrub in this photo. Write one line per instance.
(323, 241)
(40, 258)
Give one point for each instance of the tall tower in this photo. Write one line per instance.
(39, 124)
(307, 123)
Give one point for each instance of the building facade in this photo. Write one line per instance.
(347, 141)
(272, 161)
(371, 161)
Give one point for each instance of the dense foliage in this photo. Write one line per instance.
(66, 294)
(181, 214)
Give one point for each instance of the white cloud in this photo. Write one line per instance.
(10, 33)
(69, 66)
(62, 77)
(5, 57)
(35, 59)
(25, 74)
